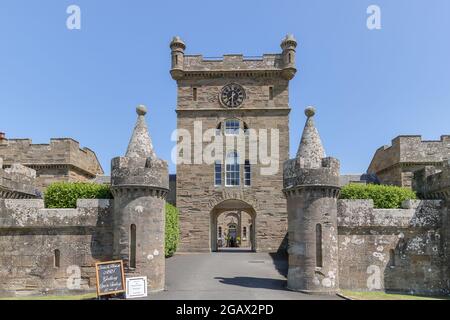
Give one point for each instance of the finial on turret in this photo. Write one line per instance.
(310, 111)
(141, 110)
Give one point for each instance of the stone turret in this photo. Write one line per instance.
(311, 186)
(177, 47)
(140, 184)
(288, 45)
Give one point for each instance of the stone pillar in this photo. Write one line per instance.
(140, 184)
(311, 186)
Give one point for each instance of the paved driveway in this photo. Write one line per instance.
(228, 276)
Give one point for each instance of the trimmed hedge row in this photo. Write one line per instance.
(66, 194)
(172, 230)
(383, 196)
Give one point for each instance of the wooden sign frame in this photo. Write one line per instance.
(99, 294)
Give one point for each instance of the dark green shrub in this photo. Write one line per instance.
(383, 196)
(65, 194)
(172, 230)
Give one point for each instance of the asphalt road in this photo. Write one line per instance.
(228, 276)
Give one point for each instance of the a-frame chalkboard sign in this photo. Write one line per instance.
(110, 278)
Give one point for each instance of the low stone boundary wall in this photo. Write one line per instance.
(392, 249)
(52, 250)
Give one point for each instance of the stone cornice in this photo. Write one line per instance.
(186, 75)
(328, 191)
(121, 190)
(283, 111)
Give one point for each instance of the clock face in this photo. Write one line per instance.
(232, 95)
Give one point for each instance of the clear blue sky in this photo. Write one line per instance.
(367, 86)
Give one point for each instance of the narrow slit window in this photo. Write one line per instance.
(194, 94)
(57, 258)
(218, 173)
(391, 258)
(133, 246)
(319, 262)
(247, 173)
(244, 233)
(270, 93)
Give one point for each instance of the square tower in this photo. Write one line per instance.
(239, 105)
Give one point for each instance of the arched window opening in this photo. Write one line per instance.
(319, 262)
(270, 93)
(194, 94)
(232, 127)
(133, 246)
(219, 234)
(57, 258)
(232, 169)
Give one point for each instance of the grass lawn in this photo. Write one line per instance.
(79, 297)
(376, 295)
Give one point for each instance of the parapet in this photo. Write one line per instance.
(91, 213)
(296, 174)
(413, 214)
(60, 151)
(139, 172)
(233, 65)
(410, 149)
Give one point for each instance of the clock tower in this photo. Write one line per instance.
(244, 102)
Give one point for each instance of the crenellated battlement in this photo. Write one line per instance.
(237, 65)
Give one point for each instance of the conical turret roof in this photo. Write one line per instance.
(311, 149)
(140, 145)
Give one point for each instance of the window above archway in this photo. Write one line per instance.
(232, 127)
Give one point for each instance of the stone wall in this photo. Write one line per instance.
(392, 249)
(32, 238)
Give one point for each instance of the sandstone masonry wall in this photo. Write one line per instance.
(31, 237)
(392, 249)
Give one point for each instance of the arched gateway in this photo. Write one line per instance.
(237, 228)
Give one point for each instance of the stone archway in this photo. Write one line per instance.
(234, 208)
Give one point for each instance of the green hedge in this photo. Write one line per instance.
(65, 194)
(383, 196)
(172, 230)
